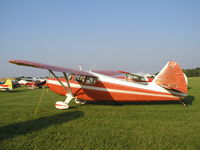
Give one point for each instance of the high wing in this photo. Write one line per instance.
(49, 67)
(52, 68)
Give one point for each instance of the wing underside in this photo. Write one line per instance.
(49, 67)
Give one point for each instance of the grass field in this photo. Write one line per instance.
(100, 126)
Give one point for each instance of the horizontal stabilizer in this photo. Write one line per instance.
(172, 77)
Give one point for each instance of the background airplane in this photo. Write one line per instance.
(7, 85)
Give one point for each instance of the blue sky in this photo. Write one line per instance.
(135, 36)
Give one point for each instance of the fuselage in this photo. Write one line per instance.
(2, 86)
(106, 88)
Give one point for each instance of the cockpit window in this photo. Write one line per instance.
(80, 78)
(85, 79)
(90, 80)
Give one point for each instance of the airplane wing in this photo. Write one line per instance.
(49, 67)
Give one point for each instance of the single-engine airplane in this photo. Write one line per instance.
(7, 85)
(81, 85)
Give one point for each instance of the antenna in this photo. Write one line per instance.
(80, 67)
(92, 67)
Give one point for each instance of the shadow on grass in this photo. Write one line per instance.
(187, 100)
(26, 127)
(16, 90)
(133, 103)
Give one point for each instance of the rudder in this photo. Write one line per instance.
(172, 77)
(9, 84)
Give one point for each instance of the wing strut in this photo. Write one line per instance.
(66, 78)
(69, 95)
(67, 89)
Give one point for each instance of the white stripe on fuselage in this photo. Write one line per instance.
(152, 86)
(74, 85)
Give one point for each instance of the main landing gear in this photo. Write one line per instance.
(69, 95)
(65, 105)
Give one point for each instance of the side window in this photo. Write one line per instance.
(80, 78)
(90, 80)
(131, 77)
(136, 78)
(71, 76)
(85, 79)
(128, 76)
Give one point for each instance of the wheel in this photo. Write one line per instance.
(78, 101)
(61, 105)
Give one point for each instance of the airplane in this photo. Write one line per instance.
(102, 85)
(7, 85)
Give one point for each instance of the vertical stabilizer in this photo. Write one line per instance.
(9, 84)
(172, 77)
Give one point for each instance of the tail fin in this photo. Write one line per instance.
(9, 84)
(172, 77)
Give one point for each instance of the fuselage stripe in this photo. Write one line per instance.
(73, 85)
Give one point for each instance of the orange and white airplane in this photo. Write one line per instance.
(7, 85)
(81, 85)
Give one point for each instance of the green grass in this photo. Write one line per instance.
(101, 127)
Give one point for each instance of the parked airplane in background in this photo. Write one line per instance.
(169, 85)
(23, 82)
(31, 83)
(7, 85)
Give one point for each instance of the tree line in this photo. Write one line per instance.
(192, 72)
